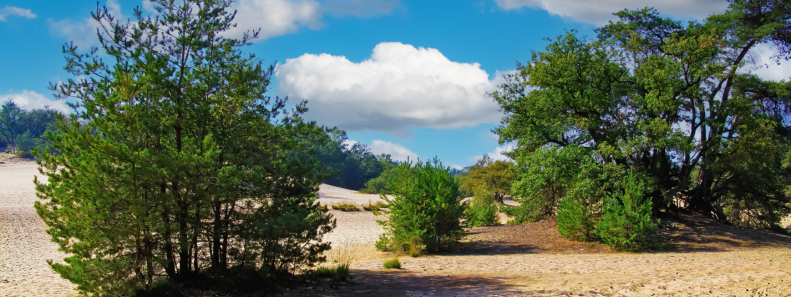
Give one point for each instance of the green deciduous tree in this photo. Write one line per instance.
(495, 177)
(15, 121)
(671, 101)
(175, 163)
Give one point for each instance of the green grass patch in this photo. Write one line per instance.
(393, 264)
(341, 272)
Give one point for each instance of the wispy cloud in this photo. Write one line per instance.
(396, 151)
(11, 10)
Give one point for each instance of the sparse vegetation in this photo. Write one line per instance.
(339, 272)
(345, 206)
(374, 207)
(393, 264)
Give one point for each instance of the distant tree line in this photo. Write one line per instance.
(351, 165)
(22, 130)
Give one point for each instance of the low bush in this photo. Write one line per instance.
(483, 211)
(524, 213)
(393, 264)
(345, 206)
(340, 272)
(626, 223)
(575, 219)
(425, 211)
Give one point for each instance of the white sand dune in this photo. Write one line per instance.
(25, 246)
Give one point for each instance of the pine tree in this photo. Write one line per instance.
(626, 223)
(175, 162)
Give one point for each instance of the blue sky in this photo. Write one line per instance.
(406, 77)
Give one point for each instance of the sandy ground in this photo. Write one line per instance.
(24, 244)
(733, 269)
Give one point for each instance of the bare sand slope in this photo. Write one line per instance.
(24, 244)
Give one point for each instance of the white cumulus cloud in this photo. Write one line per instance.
(396, 151)
(599, 12)
(11, 10)
(498, 153)
(274, 17)
(31, 100)
(399, 87)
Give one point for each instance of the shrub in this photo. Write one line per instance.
(626, 223)
(345, 206)
(527, 212)
(425, 211)
(25, 143)
(378, 185)
(483, 211)
(340, 272)
(374, 207)
(574, 219)
(393, 264)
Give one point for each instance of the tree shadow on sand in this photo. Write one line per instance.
(690, 232)
(387, 283)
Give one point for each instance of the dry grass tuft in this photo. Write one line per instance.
(344, 206)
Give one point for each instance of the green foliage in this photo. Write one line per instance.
(491, 176)
(576, 218)
(670, 101)
(16, 122)
(626, 223)
(545, 177)
(25, 143)
(483, 210)
(351, 165)
(176, 168)
(425, 210)
(378, 185)
(340, 272)
(393, 264)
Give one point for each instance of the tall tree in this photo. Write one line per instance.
(11, 121)
(669, 100)
(492, 176)
(175, 162)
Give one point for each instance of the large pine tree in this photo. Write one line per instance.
(175, 162)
